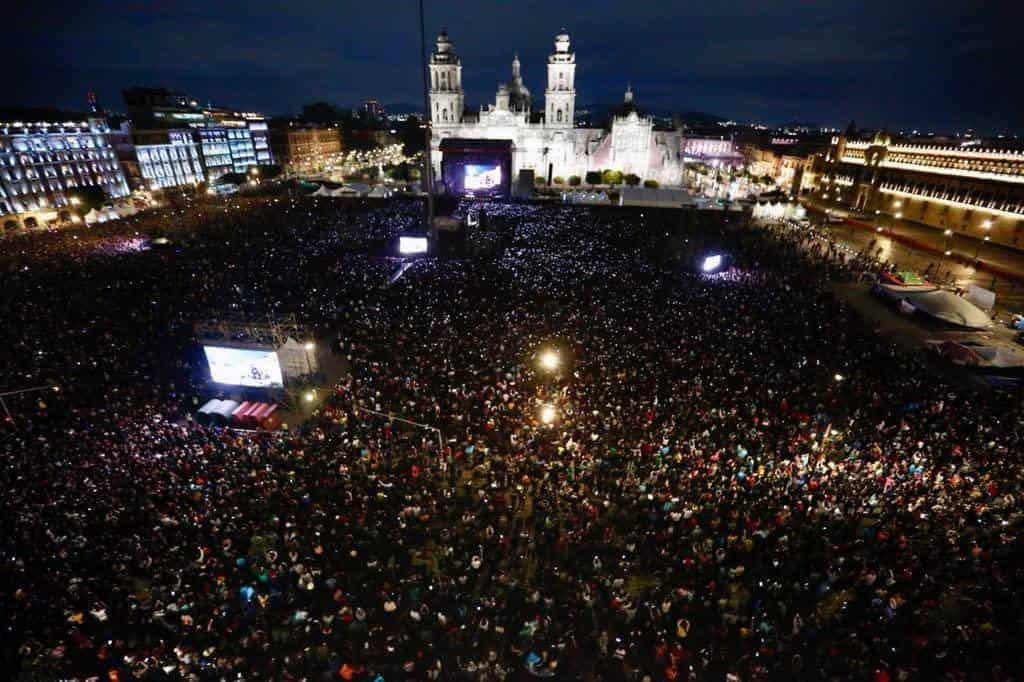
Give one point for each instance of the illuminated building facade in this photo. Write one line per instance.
(229, 141)
(710, 150)
(967, 190)
(547, 141)
(41, 164)
(791, 164)
(158, 159)
(306, 149)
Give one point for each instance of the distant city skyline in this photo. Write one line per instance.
(941, 67)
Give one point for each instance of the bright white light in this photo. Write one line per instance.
(309, 345)
(839, 377)
(548, 414)
(244, 367)
(411, 245)
(711, 263)
(549, 360)
(309, 396)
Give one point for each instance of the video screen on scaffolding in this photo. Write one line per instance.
(244, 367)
(412, 245)
(482, 177)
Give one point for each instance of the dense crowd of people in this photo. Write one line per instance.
(710, 477)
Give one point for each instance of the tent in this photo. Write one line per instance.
(208, 413)
(322, 192)
(379, 192)
(344, 192)
(92, 217)
(984, 357)
(240, 415)
(124, 210)
(937, 303)
(221, 413)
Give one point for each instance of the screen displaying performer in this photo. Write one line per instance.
(482, 177)
(244, 367)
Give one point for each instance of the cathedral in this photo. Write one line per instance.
(545, 140)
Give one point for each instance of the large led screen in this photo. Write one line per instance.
(482, 177)
(412, 245)
(244, 367)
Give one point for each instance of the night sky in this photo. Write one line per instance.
(925, 64)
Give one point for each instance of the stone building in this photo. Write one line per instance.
(546, 140)
(42, 164)
(305, 149)
(968, 190)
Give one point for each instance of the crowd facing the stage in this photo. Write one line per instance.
(633, 471)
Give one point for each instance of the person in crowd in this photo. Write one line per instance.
(717, 476)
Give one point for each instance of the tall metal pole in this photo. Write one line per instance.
(428, 168)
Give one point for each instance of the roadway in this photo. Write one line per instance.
(923, 249)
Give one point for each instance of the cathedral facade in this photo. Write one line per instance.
(544, 139)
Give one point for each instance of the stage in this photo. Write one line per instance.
(477, 168)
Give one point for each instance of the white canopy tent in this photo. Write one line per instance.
(938, 303)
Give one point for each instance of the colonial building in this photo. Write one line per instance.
(709, 150)
(42, 164)
(546, 141)
(228, 140)
(306, 149)
(788, 162)
(970, 191)
(158, 159)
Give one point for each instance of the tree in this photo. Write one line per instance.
(632, 179)
(86, 198)
(269, 171)
(232, 179)
(611, 177)
(574, 181)
(651, 184)
(593, 177)
(399, 173)
(558, 180)
(412, 136)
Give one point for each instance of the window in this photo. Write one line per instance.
(558, 116)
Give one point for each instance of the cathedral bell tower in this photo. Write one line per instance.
(447, 99)
(560, 97)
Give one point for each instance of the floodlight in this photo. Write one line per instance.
(711, 263)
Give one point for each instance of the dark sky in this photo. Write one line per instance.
(899, 63)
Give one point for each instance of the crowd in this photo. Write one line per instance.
(721, 478)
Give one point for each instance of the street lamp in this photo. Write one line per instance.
(549, 360)
(309, 365)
